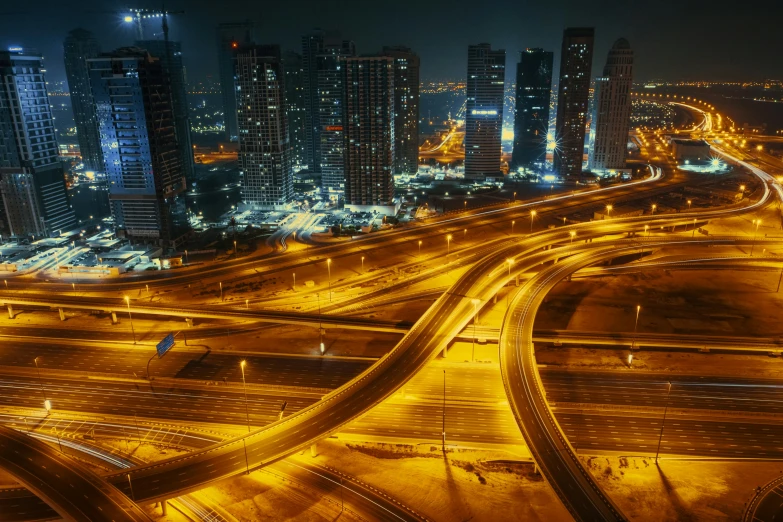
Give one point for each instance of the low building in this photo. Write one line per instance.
(690, 151)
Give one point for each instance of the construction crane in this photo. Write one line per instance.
(136, 16)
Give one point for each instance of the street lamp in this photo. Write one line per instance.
(646, 230)
(329, 269)
(363, 262)
(127, 302)
(693, 234)
(572, 234)
(654, 207)
(235, 249)
(419, 249)
(515, 196)
(689, 204)
(532, 216)
(512, 226)
(47, 404)
(663, 423)
(221, 291)
(448, 244)
(635, 325)
(756, 222)
(247, 304)
(244, 386)
(475, 320)
(609, 210)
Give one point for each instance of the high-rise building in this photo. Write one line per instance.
(264, 147)
(484, 111)
(179, 95)
(406, 109)
(143, 162)
(229, 37)
(369, 133)
(531, 115)
(612, 111)
(573, 97)
(79, 46)
(32, 182)
(295, 107)
(322, 53)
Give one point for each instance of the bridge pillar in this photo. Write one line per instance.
(62, 315)
(164, 507)
(445, 351)
(496, 299)
(189, 321)
(535, 469)
(313, 450)
(114, 319)
(10, 311)
(516, 280)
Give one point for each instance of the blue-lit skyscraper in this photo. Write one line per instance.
(79, 46)
(531, 116)
(484, 115)
(136, 123)
(32, 183)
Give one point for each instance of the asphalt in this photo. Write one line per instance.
(75, 492)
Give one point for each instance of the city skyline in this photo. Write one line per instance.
(658, 37)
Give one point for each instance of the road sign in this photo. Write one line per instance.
(165, 345)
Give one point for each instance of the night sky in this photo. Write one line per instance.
(673, 40)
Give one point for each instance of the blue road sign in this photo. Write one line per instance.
(165, 345)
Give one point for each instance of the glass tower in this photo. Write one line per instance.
(531, 116)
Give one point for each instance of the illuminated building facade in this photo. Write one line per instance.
(295, 107)
(229, 37)
(322, 55)
(369, 121)
(612, 112)
(573, 97)
(531, 115)
(265, 158)
(406, 109)
(34, 198)
(80, 45)
(136, 123)
(484, 111)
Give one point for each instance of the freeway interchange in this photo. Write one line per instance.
(548, 251)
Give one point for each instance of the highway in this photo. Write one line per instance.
(72, 490)
(419, 345)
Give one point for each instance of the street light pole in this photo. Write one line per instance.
(40, 383)
(475, 319)
(635, 325)
(221, 291)
(419, 248)
(329, 269)
(532, 216)
(512, 227)
(756, 222)
(133, 331)
(363, 258)
(244, 386)
(448, 244)
(444, 413)
(693, 234)
(320, 327)
(663, 423)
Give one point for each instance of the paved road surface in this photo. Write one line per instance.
(72, 490)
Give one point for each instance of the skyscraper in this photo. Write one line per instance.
(612, 111)
(229, 37)
(369, 133)
(573, 97)
(531, 116)
(264, 146)
(484, 114)
(80, 45)
(139, 140)
(295, 106)
(322, 53)
(406, 109)
(179, 95)
(32, 184)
